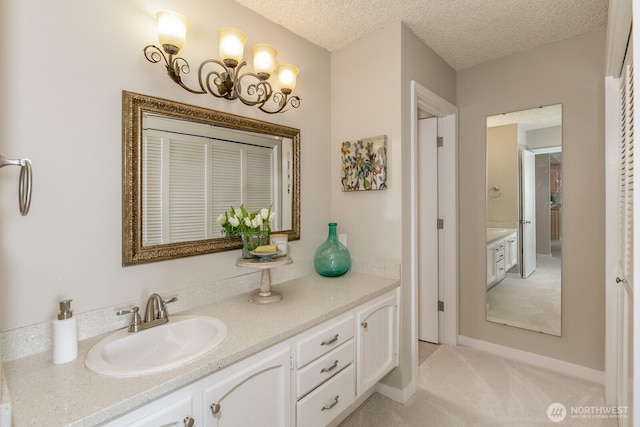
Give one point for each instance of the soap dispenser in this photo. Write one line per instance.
(64, 335)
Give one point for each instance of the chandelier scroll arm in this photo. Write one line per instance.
(220, 79)
(175, 66)
(261, 91)
(282, 100)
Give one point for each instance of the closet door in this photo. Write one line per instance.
(626, 239)
(621, 237)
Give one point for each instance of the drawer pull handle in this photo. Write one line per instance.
(364, 325)
(330, 406)
(215, 408)
(330, 368)
(189, 422)
(331, 341)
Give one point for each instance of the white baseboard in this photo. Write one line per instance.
(395, 394)
(545, 362)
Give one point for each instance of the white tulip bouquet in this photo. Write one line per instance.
(237, 221)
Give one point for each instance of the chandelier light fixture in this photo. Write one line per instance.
(224, 77)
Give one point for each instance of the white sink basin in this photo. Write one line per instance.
(160, 348)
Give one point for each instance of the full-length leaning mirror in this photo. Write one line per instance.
(183, 166)
(524, 212)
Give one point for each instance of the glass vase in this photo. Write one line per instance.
(332, 258)
(251, 239)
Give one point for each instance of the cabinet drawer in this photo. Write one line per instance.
(326, 402)
(500, 272)
(324, 340)
(324, 368)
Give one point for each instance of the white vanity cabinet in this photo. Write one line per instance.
(306, 381)
(252, 392)
(510, 251)
(377, 338)
(495, 262)
(257, 394)
(492, 271)
(502, 255)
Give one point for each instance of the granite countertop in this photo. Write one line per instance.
(46, 394)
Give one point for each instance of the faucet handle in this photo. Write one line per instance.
(136, 321)
(162, 313)
(132, 310)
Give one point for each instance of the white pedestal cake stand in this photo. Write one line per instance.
(264, 295)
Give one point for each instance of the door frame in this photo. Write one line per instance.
(526, 224)
(427, 101)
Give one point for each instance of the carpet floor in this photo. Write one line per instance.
(533, 303)
(460, 386)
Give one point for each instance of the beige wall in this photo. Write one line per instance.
(569, 72)
(502, 171)
(61, 107)
(376, 221)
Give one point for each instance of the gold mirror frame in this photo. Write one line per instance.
(133, 107)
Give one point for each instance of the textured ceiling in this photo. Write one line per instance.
(463, 32)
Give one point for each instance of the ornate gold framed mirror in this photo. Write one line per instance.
(183, 165)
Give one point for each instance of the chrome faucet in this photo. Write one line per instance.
(155, 313)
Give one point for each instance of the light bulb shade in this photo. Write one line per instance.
(287, 75)
(172, 29)
(264, 60)
(231, 44)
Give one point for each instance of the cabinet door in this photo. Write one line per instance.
(377, 340)
(175, 409)
(256, 395)
(491, 265)
(510, 251)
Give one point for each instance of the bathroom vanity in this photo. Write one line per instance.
(302, 361)
(502, 253)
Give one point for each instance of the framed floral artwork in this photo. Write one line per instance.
(364, 164)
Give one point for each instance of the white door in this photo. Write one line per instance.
(627, 213)
(427, 230)
(528, 215)
(622, 377)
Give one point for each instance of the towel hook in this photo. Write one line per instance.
(25, 183)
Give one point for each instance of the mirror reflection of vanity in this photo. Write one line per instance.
(184, 166)
(524, 210)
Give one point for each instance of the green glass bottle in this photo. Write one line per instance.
(332, 258)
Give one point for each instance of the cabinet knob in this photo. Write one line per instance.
(215, 408)
(619, 280)
(189, 422)
(364, 324)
